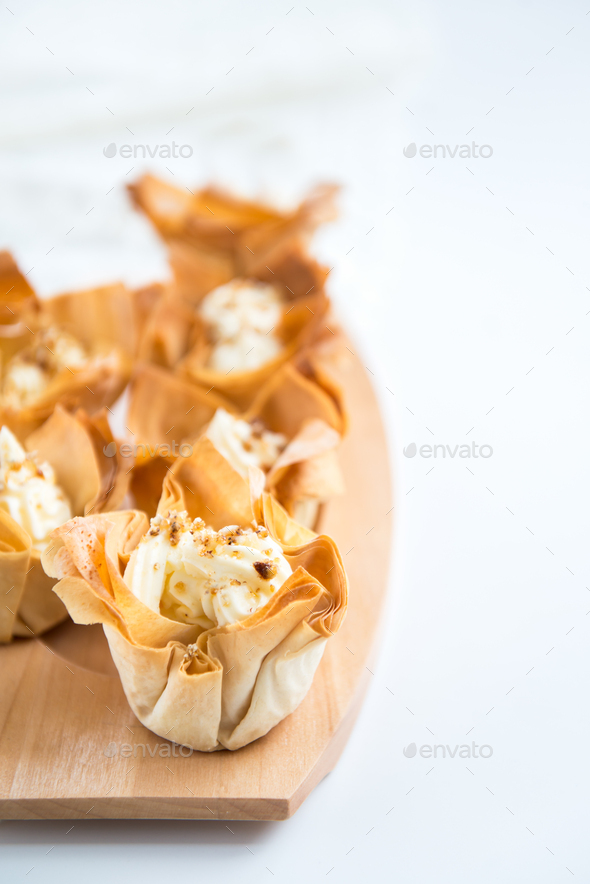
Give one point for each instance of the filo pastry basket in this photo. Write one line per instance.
(299, 402)
(220, 687)
(74, 447)
(81, 345)
(213, 240)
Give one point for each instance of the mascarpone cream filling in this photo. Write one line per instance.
(244, 444)
(242, 317)
(28, 491)
(188, 572)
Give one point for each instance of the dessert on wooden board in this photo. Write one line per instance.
(215, 594)
(217, 612)
(75, 349)
(291, 431)
(61, 470)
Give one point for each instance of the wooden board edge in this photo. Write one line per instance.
(144, 808)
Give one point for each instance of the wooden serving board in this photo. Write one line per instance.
(71, 748)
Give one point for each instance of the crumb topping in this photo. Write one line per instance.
(266, 569)
(189, 572)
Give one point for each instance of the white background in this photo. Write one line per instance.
(471, 293)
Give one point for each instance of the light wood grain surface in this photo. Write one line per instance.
(64, 720)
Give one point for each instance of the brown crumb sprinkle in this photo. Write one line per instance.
(266, 569)
(175, 529)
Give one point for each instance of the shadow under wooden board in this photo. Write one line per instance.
(70, 747)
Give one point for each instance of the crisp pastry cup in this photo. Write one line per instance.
(212, 239)
(165, 411)
(302, 323)
(216, 688)
(95, 385)
(215, 236)
(307, 409)
(93, 481)
(103, 320)
(176, 337)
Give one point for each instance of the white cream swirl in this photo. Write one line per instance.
(28, 491)
(244, 444)
(242, 319)
(188, 572)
